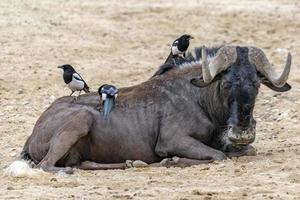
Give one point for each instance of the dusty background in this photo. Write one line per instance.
(123, 42)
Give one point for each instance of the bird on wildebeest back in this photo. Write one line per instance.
(108, 94)
(179, 47)
(73, 80)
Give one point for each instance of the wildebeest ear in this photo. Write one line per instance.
(284, 88)
(199, 82)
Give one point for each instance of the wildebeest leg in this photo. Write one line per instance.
(179, 162)
(75, 128)
(241, 151)
(89, 165)
(188, 147)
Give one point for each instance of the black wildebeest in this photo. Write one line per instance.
(200, 112)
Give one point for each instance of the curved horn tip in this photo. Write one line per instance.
(289, 57)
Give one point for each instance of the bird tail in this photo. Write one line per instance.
(86, 88)
(164, 68)
(107, 107)
(168, 60)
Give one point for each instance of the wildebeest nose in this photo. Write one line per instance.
(230, 126)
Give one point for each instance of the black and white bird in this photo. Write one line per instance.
(73, 80)
(179, 47)
(108, 94)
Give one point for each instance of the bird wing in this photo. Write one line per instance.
(110, 90)
(77, 77)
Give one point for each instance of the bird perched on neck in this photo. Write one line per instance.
(108, 94)
(179, 47)
(73, 80)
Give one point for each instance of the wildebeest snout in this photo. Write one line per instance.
(242, 136)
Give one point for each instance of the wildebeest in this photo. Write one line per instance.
(199, 112)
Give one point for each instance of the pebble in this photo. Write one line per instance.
(10, 188)
(53, 180)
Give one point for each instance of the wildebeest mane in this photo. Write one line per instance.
(192, 58)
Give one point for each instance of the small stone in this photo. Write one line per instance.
(13, 154)
(205, 168)
(197, 192)
(53, 180)
(10, 188)
(278, 161)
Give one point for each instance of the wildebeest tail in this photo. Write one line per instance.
(22, 167)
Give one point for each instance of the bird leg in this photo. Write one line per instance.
(76, 98)
(72, 93)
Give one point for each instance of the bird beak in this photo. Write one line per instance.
(60, 67)
(191, 38)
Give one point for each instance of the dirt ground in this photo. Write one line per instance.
(123, 42)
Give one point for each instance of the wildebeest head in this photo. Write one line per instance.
(240, 71)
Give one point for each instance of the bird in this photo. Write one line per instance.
(73, 80)
(179, 47)
(108, 94)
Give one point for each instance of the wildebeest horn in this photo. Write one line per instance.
(225, 57)
(259, 59)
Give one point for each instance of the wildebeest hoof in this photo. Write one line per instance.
(176, 159)
(250, 151)
(244, 151)
(129, 163)
(167, 162)
(139, 164)
(219, 156)
(135, 163)
(65, 171)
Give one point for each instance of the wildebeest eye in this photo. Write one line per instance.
(257, 84)
(247, 106)
(226, 85)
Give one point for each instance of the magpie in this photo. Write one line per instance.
(179, 46)
(74, 81)
(108, 94)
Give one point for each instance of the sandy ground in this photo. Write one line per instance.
(123, 42)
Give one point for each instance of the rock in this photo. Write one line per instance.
(53, 180)
(205, 168)
(10, 188)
